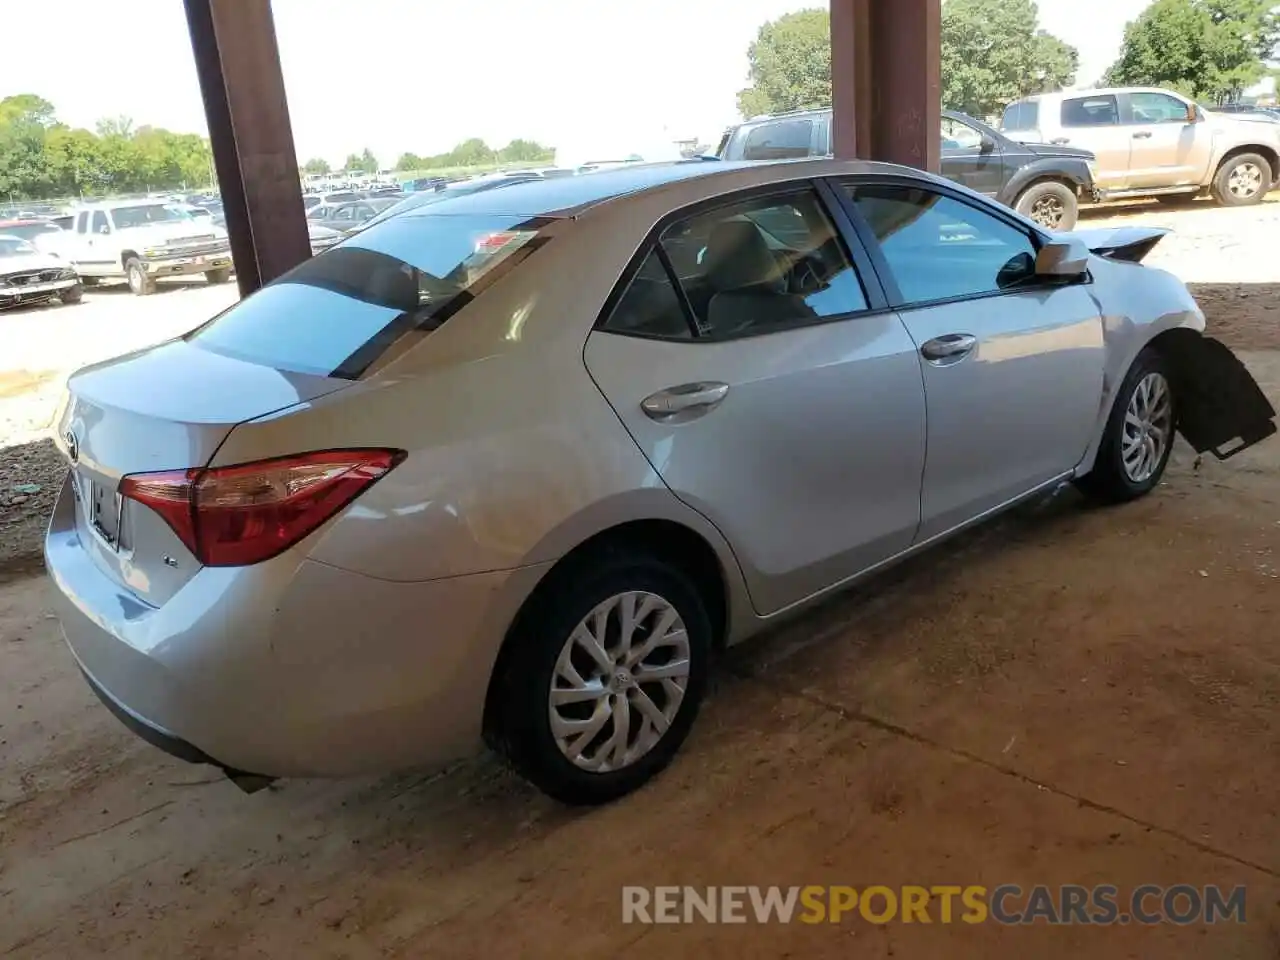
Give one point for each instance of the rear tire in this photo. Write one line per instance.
(218, 276)
(141, 284)
(1050, 203)
(1132, 458)
(1243, 180)
(72, 294)
(607, 689)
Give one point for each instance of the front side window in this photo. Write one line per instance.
(752, 268)
(100, 222)
(784, 140)
(1156, 108)
(335, 315)
(938, 248)
(959, 136)
(1090, 112)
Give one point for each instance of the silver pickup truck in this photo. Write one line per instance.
(141, 241)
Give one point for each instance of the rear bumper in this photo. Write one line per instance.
(287, 668)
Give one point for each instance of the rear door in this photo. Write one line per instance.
(1013, 369)
(1093, 122)
(769, 389)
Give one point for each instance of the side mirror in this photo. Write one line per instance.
(104, 230)
(1066, 258)
(988, 145)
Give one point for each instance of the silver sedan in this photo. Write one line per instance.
(510, 466)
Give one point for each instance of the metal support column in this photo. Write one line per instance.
(886, 61)
(238, 65)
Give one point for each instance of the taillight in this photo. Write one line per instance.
(250, 512)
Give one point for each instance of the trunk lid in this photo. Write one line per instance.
(164, 408)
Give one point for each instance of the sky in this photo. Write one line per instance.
(597, 79)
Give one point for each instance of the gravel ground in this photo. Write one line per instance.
(1227, 256)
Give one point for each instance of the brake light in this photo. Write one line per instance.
(247, 513)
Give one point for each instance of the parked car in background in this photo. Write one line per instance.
(1155, 143)
(1041, 181)
(513, 465)
(322, 237)
(141, 241)
(44, 234)
(28, 275)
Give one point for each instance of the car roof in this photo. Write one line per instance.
(564, 197)
(1093, 92)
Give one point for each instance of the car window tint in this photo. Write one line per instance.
(650, 307)
(938, 248)
(779, 141)
(763, 265)
(959, 136)
(335, 314)
(1157, 108)
(1021, 116)
(1090, 112)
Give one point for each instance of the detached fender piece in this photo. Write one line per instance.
(1131, 244)
(1221, 408)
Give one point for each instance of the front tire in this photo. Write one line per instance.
(72, 294)
(1050, 203)
(141, 284)
(604, 675)
(1138, 437)
(1243, 181)
(218, 276)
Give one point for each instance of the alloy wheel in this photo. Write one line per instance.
(1048, 212)
(1148, 428)
(619, 681)
(1245, 181)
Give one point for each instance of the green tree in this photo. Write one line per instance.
(993, 52)
(790, 64)
(1206, 49)
(316, 165)
(525, 151)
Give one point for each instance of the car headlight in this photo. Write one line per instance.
(153, 252)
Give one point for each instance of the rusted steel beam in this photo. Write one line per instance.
(238, 65)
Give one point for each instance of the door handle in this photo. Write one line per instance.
(948, 349)
(1142, 135)
(684, 402)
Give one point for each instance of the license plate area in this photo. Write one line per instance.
(102, 507)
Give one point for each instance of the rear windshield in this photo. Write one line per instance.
(335, 314)
(779, 141)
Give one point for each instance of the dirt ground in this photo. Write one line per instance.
(1071, 695)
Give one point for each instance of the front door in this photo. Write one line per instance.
(766, 394)
(1167, 150)
(971, 159)
(1013, 369)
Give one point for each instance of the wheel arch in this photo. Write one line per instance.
(1040, 171)
(126, 255)
(667, 539)
(1267, 153)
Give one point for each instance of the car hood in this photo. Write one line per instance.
(30, 261)
(1058, 150)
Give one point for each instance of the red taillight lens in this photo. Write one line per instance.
(250, 512)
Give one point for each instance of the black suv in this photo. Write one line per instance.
(1040, 181)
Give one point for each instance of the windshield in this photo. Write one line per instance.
(13, 246)
(29, 231)
(140, 216)
(336, 313)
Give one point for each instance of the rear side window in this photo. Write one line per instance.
(336, 313)
(783, 140)
(1024, 115)
(1090, 112)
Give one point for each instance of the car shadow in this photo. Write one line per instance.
(162, 287)
(1244, 316)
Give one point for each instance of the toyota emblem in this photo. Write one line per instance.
(73, 446)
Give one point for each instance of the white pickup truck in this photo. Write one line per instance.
(141, 241)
